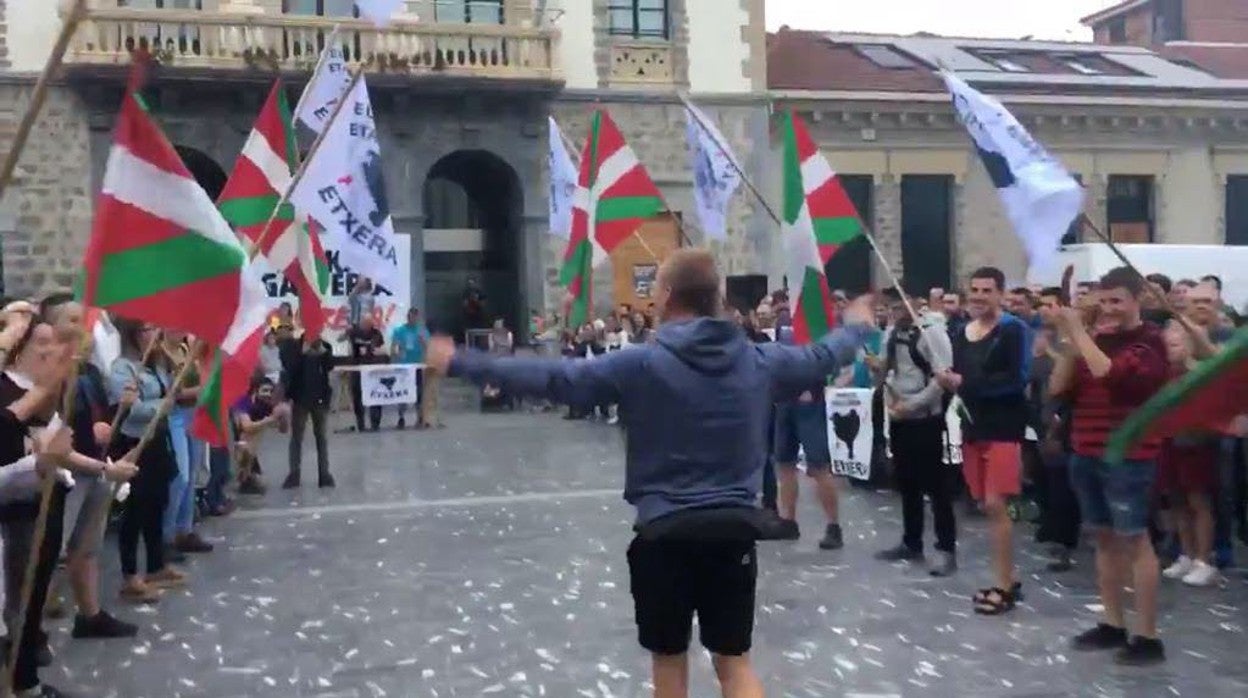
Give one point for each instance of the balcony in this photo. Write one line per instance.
(209, 42)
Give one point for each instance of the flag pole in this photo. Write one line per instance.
(320, 63)
(1204, 346)
(749, 184)
(40, 94)
(258, 245)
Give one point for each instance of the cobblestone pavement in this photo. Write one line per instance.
(488, 559)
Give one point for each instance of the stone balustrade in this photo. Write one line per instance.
(226, 40)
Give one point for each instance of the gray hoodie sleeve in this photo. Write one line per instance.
(794, 369)
(936, 347)
(576, 382)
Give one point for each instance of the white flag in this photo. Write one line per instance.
(716, 175)
(344, 191)
(1041, 199)
(379, 11)
(326, 87)
(563, 176)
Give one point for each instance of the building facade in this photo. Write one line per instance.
(1161, 144)
(461, 90)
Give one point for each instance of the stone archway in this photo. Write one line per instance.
(473, 209)
(204, 169)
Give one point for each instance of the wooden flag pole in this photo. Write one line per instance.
(255, 247)
(1204, 347)
(77, 12)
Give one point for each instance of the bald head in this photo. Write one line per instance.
(688, 284)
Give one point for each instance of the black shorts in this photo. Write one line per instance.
(671, 581)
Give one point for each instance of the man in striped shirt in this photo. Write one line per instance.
(1105, 377)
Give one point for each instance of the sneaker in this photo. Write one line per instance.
(613, 420)
(227, 507)
(1180, 568)
(167, 578)
(102, 626)
(1202, 574)
(832, 538)
(1102, 637)
(1062, 561)
(899, 553)
(192, 543)
(173, 554)
(291, 482)
(945, 565)
(326, 480)
(140, 593)
(1141, 651)
(788, 530)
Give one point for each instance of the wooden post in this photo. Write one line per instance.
(76, 14)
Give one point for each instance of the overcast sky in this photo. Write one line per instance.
(1043, 19)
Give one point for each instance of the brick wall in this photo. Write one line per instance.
(1217, 20)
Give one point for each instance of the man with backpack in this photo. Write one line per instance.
(916, 406)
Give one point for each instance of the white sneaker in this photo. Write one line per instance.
(1180, 568)
(1202, 574)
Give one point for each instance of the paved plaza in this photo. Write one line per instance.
(487, 559)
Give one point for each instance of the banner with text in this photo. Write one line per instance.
(393, 384)
(392, 300)
(850, 431)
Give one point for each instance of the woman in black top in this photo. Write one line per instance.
(34, 357)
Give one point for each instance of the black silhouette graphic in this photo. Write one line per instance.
(388, 382)
(376, 189)
(846, 426)
(998, 169)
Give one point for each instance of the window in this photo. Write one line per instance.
(1130, 208)
(1073, 233)
(320, 8)
(1117, 30)
(468, 11)
(640, 19)
(850, 268)
(885, 56)
(1168, 21)
(1077, 65)
(1005, 62)
(926, 226)
(1237, 210)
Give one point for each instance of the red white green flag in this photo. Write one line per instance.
(614, 196)
(160, 251)
(818, 219)
(1206, 398)
(261, 175)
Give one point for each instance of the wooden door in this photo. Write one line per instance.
(636, 261)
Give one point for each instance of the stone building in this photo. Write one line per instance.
(461, 88)
(1159, 139)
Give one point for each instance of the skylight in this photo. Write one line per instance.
(885, 56)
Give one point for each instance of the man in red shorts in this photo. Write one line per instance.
(1105, 377)
(989, 374)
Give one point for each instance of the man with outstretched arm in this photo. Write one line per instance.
(695, 403)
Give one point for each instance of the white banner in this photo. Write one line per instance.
(563, 176)
(1040, 197)
(392, 300)
(715, 177)
(388, 384)
(344, 191)
(326, 87)
(851, 434)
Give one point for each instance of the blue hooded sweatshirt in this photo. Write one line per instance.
(696, 404)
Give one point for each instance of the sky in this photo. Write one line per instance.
(1014, 19)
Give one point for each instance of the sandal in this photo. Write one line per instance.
(996, 602)
(982, 595)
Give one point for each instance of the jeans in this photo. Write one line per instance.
(18, 541)
(1114, 497)
(1061, 520)
(188, 453)
(918, 464)
(298, 424)
(218, 477)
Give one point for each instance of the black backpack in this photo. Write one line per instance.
(909, 337)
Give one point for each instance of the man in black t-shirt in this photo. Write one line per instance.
(365, 343)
